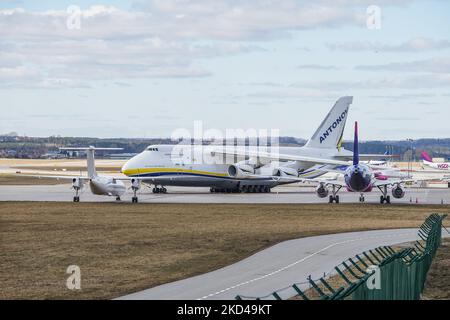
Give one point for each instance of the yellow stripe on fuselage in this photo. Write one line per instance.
(134, 172)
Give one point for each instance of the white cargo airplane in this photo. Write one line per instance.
(99, 185)
(249, 170)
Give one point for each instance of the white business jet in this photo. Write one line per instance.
(99, 185)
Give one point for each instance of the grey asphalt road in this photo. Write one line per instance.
(277, 267)
(282, 194)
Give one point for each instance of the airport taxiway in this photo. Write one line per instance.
(281, 194)
(277, 267)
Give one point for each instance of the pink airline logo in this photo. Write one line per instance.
(426, 157)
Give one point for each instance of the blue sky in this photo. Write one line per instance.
(145, 68)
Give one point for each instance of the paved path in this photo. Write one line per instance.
(277, 267)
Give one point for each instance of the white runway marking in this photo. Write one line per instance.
(295, 263)
(276, 267)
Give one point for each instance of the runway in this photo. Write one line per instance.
(277, 267)
(281, 194)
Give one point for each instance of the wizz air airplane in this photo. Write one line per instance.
(427, 161)
(250, 169)
(361, 178)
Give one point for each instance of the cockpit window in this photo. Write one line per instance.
(152, 149)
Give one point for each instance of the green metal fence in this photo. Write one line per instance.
(379, 274)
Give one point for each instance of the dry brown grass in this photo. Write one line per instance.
(335, 281)
(438, 281)
(123, 248)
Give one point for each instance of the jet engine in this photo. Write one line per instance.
(235, 171)
(398, 192)
(248, 166)
(242, 169)
(322, 191)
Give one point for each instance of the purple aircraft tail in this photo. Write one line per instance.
(426, 157)
(356, 146)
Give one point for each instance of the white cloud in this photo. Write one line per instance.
(436, 65)
(413, 45)
(174, 19)
(317, 67)
(160, 38)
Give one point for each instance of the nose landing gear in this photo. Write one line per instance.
(135, 186)
(76, 198)
(362, 199)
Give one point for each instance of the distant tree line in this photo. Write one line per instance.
(35, 147)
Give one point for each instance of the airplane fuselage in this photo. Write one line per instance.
(105, 186)
(359, 178)
(160, 165)
(438, 166)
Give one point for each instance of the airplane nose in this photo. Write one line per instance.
(131, 167)
(127, 167)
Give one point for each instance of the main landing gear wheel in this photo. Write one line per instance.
(255, 189)
(384, 199)
(362, 199)
(76, 199)
(135, 200)
(159, 190)
(118, 199)
(334, 199)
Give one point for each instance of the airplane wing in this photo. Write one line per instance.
(84, 178)
(367, 157)
(393, 182)
(270, 156)
(278, 156)
(329, 182)
(324, 181)
(40, 176)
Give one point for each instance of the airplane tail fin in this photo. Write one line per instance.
(426, 157)
(90, 152)
(331, 130)
(356, 146)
